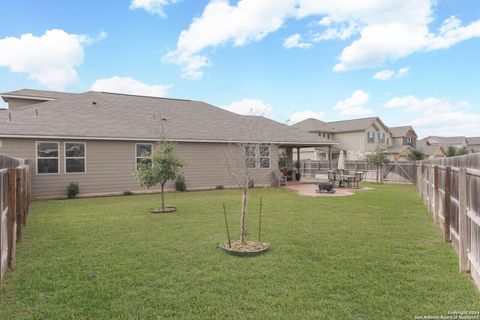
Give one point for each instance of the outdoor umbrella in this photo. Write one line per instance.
(341, 161)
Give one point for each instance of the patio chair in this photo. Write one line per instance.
(281, 179)
(358, 178)
(332, 176)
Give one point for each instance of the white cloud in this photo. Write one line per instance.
(50, 59)
(354, 106)
(222, 23)
(341, 32)
(152, 6)
(295, 41)
(302, 115)
(130, 86)
(387, 30)
(389, 74)
(250, 107)
(438, 116)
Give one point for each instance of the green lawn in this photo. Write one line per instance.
(374, 255)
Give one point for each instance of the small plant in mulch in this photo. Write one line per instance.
(72, 190)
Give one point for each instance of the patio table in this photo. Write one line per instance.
(348, 179)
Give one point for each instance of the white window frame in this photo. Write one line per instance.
(269, 155)
(37, 158)
(410, 141)
(65, 157)
(136, 157)
(381, 140)
(248, 157)
(368, 136)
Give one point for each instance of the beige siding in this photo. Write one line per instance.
(398, 141)
(110, 166)
(351, 141)
(14, 103)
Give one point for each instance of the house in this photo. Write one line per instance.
(96, 139)
(358, 138)
(473, 144)
(431, 151)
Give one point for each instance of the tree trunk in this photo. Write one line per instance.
(163, 198)
(377, 174)
(243, 231)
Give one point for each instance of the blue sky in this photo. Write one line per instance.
(407, 61)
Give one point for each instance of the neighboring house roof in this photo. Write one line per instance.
(473, 141)
(400, 131)
(35, 94)
(428, 148)
(313, 125)
(100, 115)
(398, 149)
(447, 141)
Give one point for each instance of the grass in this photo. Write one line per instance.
(374, 255)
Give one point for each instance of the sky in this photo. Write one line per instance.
(410, 62)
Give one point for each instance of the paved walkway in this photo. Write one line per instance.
(310, 189)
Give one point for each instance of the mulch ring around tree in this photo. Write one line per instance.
(250, 248)
(167, 210)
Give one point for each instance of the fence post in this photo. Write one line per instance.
(18, 192)
(12, 217)
(436, 195)
(446, 230)
(462, 221)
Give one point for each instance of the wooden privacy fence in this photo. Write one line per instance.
(394, 172)
(450, 187)
(15, 196)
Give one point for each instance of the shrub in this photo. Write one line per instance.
(219, 187)
(127, 193)
(180, 184)
(72, 190)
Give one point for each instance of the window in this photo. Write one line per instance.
(264, 156)
(47, 157)
(410, 141)
(371, 137)
(143, 153)
(75, 157)
(381, 137)
(250, 156)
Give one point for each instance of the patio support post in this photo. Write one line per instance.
(329, 157)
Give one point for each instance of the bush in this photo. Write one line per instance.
(72, 190)
(219, 187)
(180, 184)
(127, 193)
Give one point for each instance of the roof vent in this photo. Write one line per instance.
(9, 116)
(94, 102)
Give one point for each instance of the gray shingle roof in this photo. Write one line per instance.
(119, 116)
(400, 131)
(428, 149)
(473, 141)
(447, 141)
(38, 94)
(313, 125)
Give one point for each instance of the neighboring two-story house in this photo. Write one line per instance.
(358, 138)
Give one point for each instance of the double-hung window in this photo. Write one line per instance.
(143, 153)
(251, 156)
(371, 137)
(75, 157)
(257, 156)
(264, 156)
(410, 141)
(48, 157)
(381, 137)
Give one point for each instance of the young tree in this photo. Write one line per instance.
(451, 151)
(163, 167)
(378, 158)
(416, 155)
(461, 151)
(243, 159)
